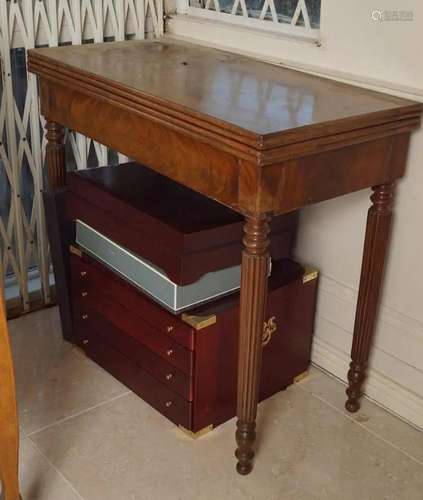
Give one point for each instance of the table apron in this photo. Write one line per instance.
(312, 179)
(245, 186)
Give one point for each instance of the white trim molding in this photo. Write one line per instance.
(265, 19)
(392, 359)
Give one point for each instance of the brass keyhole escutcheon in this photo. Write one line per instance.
(269, 328)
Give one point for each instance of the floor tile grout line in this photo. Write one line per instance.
(78, 414)
(370, 431)
(58, 471)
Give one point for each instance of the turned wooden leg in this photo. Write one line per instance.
(375, 250)
(61, 232)
(255, 262)
(9, 430)
(55, 153)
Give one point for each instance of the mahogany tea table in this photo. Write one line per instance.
(260, 139)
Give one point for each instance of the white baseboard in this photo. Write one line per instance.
(395, 377)
(383, 391)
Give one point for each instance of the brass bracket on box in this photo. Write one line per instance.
(75, 250)
(198, 434)
(300, 377)
(199, 322)
(310, 274)
(269, 328)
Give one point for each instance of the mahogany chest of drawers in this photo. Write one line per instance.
(185, 366)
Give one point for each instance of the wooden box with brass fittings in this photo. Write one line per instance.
(185, 366)
(181, 232)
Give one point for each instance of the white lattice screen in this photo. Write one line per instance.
(26, 24)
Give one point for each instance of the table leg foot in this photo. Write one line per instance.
(376, 244)
(356, 377)
(255, 266)
(245, 437)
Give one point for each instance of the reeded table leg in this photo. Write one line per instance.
(375, 250)
(55, 153)
(61, 232)
(255, 262)
(9, 430)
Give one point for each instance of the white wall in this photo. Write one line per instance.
(388, 57)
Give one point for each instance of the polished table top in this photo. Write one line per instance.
(244, 99)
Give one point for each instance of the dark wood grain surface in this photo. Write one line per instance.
(216, 87)
(198, 124)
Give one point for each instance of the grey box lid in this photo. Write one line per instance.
(152, 280)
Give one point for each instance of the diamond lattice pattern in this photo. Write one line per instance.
(25, 24)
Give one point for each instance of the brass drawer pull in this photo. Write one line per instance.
(269, 328)
(169, 352)
(83, 273)
(85, 341)
(84, 316)
(169, 329)
(168, 404)
(169, 376)
(84, 294)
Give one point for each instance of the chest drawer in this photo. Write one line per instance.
(96, 325)
(167, 402)
(88, 277)
(91, 297)
(130, 323)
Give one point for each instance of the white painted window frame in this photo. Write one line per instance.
(305, 33)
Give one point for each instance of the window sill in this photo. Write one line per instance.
(185, 24)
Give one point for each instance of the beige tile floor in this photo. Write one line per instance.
(85, 436)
